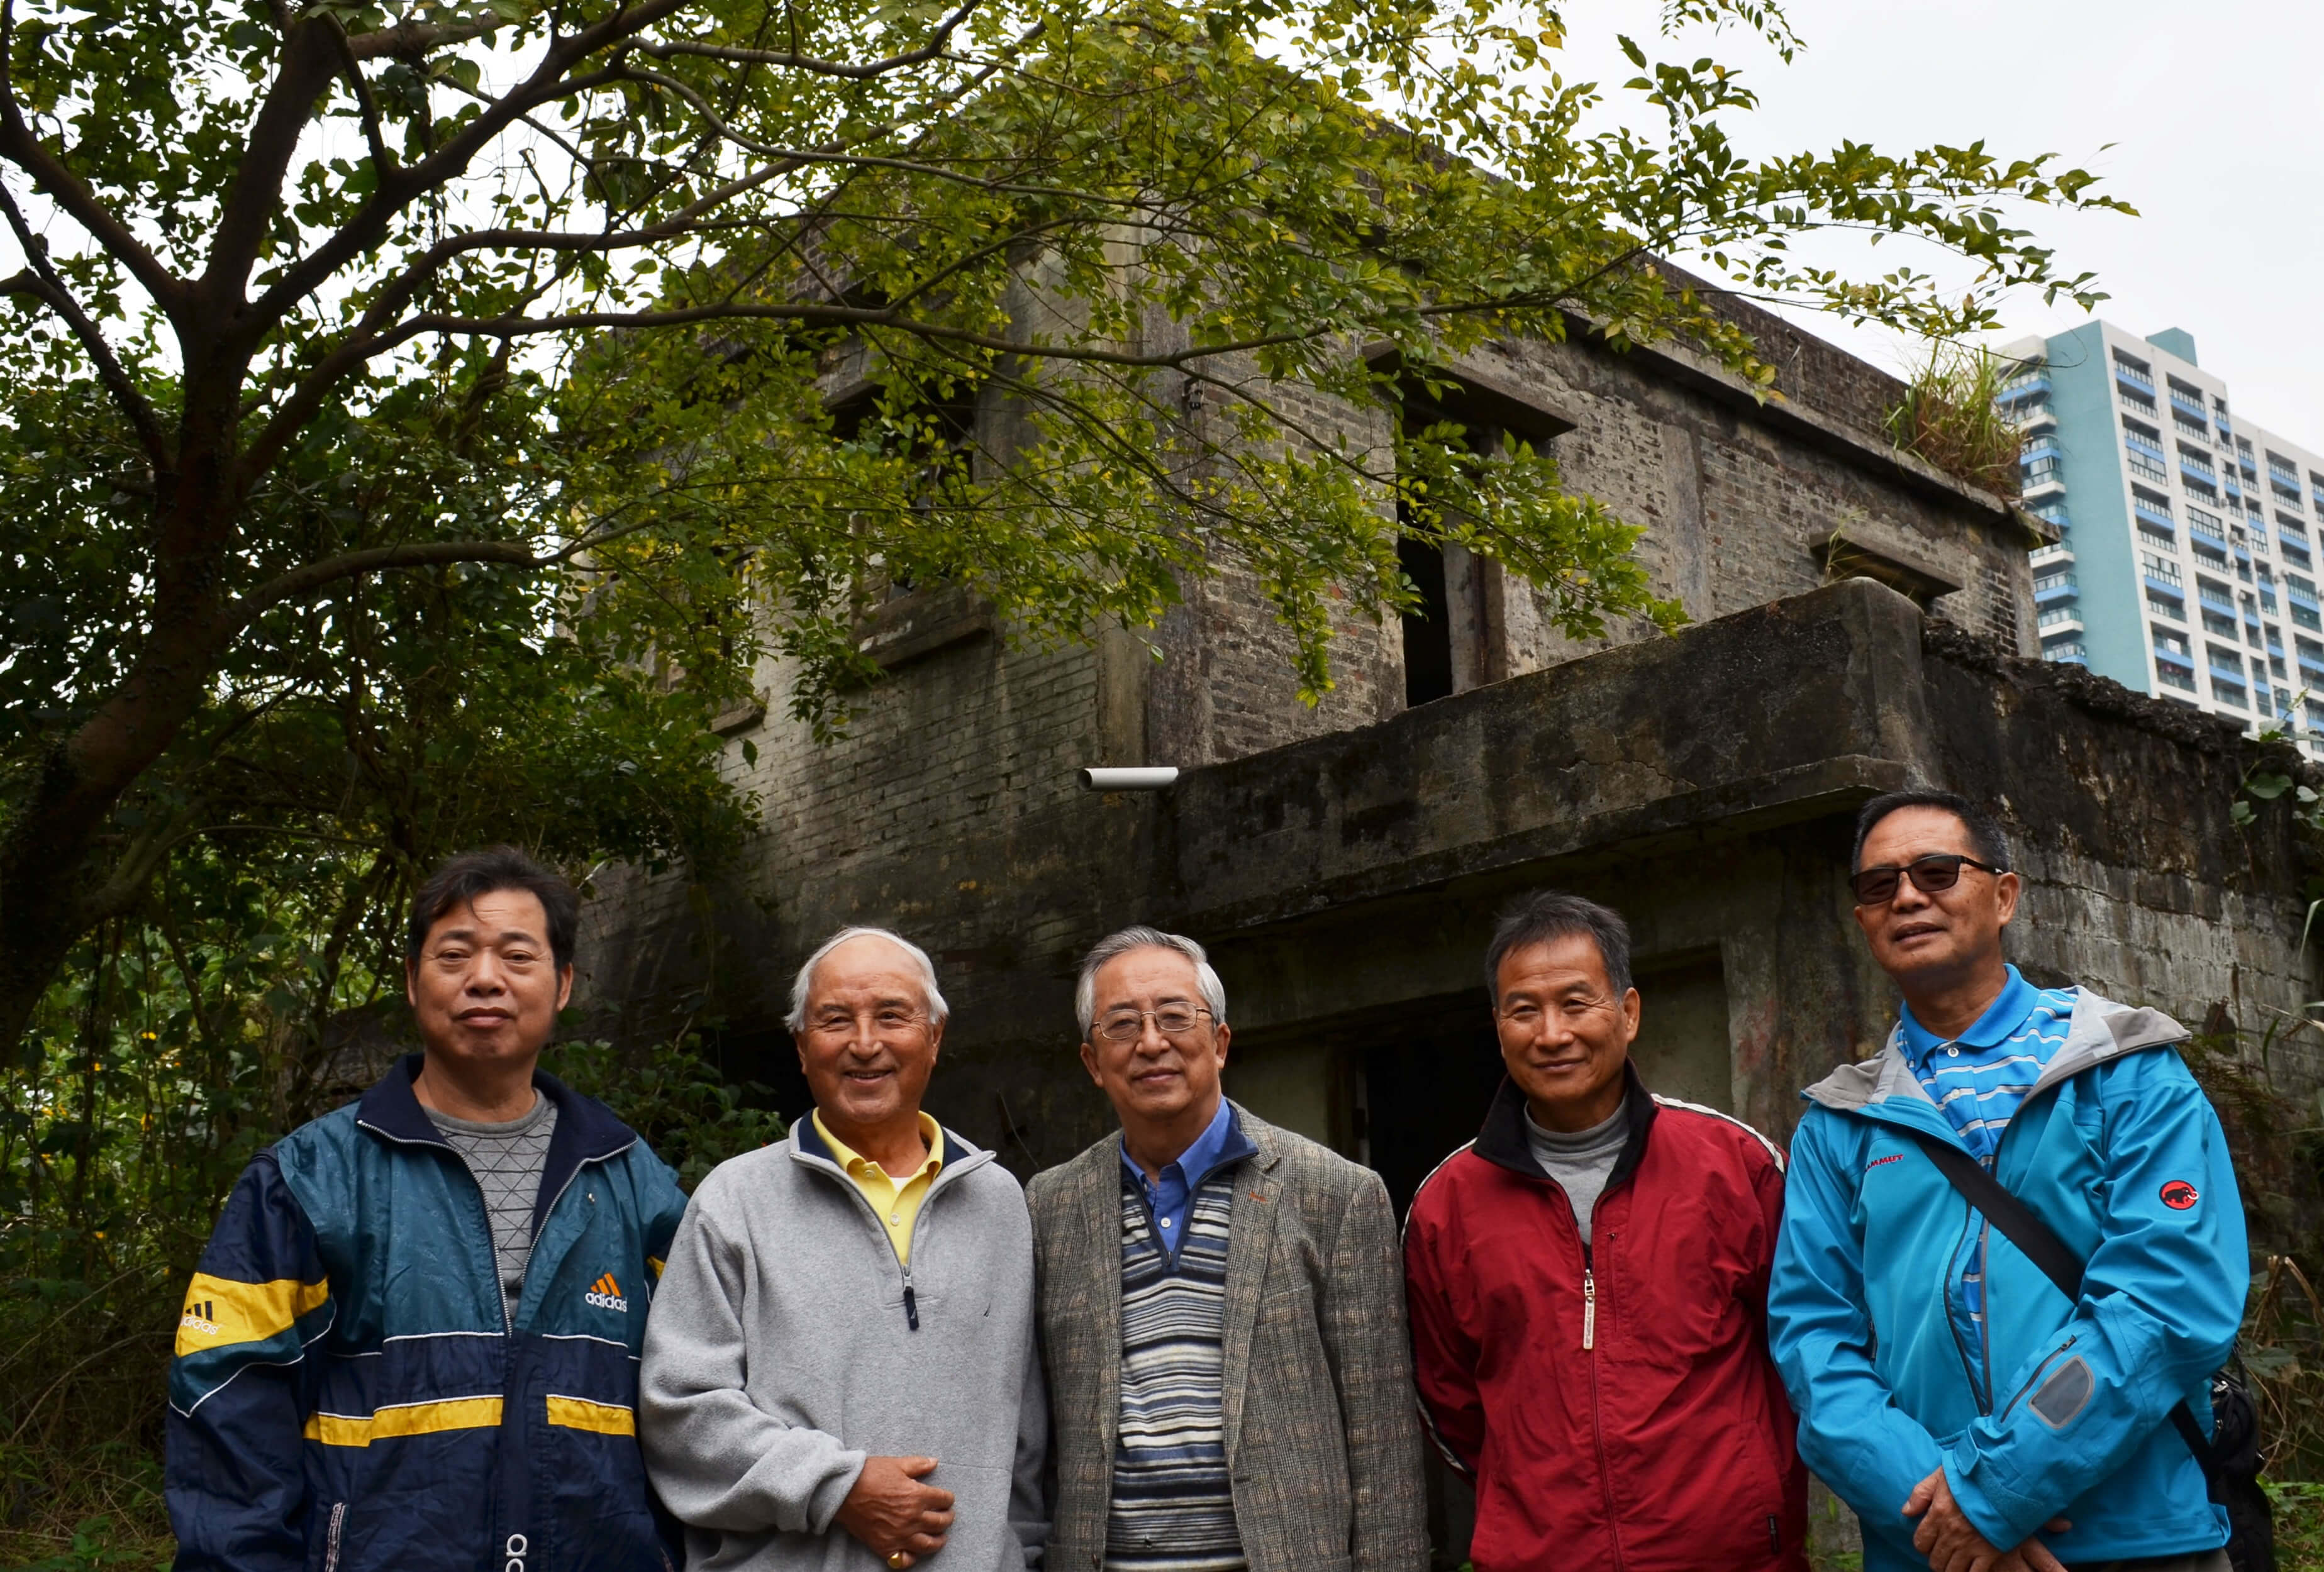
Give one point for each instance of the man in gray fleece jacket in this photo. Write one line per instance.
(839, 1369)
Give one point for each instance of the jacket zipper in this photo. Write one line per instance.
(331, 1541)
(1985, 1298)
(927, 1202)
(1944, 1298)
(2055, 1355)
(1596, 1416)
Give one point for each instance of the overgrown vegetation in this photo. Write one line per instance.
(1950, 416)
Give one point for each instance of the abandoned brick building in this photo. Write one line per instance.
(1345, 861)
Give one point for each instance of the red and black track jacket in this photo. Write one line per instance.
(1615, 1404)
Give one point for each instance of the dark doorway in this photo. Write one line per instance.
(1427, 1082)
(761, 1056)
(1427, 627)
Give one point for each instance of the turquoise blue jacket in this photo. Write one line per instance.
(347, 1391)
(2057, 1408)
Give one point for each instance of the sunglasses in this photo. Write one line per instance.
(1932, 875)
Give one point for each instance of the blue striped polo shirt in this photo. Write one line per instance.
(1980, 1078)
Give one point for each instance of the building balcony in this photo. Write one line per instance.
(2050, 483)
(2130, 378)
(2158, 511)
(2230, 693)
(2052, 587)
(2210, 535)
(2169, 657)
(2146, 469)
(2074, 652)
(2286, 492)
(2059, 555)
(2059, 620)
(2025, 386)
(2172, 677)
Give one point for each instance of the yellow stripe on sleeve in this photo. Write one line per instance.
(220, 1311)
(578, 1413)
(411, 1419)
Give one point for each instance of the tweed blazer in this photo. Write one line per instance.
(1323, 1439)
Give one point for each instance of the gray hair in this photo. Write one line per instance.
(1546, 915)
(931, 996)
(1206, 981)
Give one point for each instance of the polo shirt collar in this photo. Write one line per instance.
(1995, 1026)
(1222, 1142)
(855, 1163)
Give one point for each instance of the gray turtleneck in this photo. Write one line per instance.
(1580, 1162)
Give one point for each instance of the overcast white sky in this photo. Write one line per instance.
(2214, 109)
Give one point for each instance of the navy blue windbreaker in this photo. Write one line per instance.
(348, 1392)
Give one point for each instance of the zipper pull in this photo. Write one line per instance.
(911, 1306)
(1589, 1310)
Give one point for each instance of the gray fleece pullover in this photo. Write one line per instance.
(781, 1352)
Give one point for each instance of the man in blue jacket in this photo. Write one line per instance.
(412, 1342)
(1975, 1419)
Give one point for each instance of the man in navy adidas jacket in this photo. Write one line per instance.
(412, 1342)
(1588, 1285)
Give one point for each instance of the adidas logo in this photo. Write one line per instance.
(606, 1294)
(202, 1316)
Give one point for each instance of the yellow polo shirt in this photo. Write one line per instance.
(899, 1205)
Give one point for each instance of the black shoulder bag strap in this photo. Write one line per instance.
(2030, 1233)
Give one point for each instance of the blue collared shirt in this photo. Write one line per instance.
(1981, 1078)
(1173, 1196)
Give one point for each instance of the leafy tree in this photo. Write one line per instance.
(343, 326)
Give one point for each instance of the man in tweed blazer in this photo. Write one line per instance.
(1221, 1311)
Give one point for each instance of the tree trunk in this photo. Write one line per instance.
(53, 888)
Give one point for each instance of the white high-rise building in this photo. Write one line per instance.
(2187, 566)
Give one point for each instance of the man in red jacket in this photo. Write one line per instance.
(1588, 1284)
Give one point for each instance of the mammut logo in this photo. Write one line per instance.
(1877, 1162)
(202, 1316)
(2179, 1195)
(606, 1294)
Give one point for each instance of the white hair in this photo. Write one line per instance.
(1206, 981)
(931, 996)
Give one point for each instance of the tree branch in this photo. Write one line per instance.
(301, 581)
(52, 179)
(398, 190)
(45, 284)
(414, 38)
(308, 60)
(364, 102)
(938, 41)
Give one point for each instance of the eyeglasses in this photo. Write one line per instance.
(1170, 1020)
(1931, 875)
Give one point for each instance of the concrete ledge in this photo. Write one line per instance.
(1796, 709)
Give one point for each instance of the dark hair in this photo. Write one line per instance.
(459, 881)
(1985, 836)
(1548, 914)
